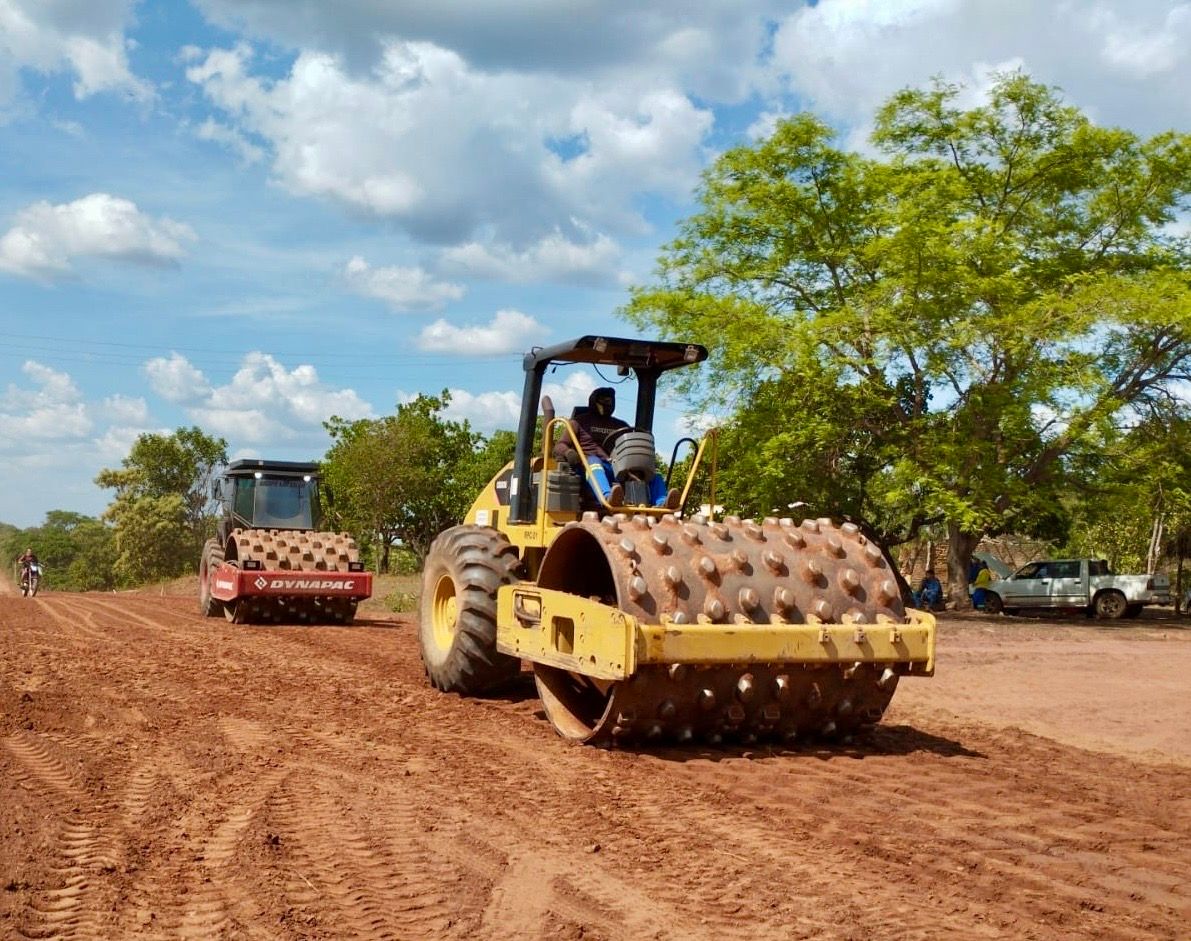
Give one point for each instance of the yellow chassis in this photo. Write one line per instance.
(597, 640)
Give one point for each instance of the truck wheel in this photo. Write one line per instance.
(992, 603)
(457, 620)
(1109, 605)
(209, 607)
(1133, 610)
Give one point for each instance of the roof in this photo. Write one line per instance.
(283, 468)
(655, 355)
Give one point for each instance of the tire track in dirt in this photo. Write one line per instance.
(61, 609)
(560, 875)
(882, 854)
(79, 852)
(371, 874)
(193, 886)
(1055, 860)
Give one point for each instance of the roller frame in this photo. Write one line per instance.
(602, 642)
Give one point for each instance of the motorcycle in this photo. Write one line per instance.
(30, 579)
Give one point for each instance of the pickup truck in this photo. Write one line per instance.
(1084, 584)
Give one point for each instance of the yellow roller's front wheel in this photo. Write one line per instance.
(457, 617)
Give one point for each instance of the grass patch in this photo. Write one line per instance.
(394, 593)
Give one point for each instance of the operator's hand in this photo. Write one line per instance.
(572, 457)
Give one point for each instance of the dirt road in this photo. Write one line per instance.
(165, 776)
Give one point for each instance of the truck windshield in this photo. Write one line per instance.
(278, 502)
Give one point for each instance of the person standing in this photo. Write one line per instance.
(980, 585)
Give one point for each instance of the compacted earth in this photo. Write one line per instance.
(168, 776)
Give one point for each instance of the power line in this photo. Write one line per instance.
(110, 352)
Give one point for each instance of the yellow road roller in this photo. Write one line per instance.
(643, 623)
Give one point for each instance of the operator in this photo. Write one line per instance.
(593, 427)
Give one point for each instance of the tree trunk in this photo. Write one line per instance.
(960, 546)
(1155, 549)
(384, 552)
(1178, 583)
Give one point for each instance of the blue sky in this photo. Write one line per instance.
(253, 214)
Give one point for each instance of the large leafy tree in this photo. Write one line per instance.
(937, 333)
(406, 477)
(162, 511)
(1137, 501)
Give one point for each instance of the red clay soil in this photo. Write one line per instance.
(168, 776)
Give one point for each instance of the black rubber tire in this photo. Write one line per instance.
(1109, 605)
(463, 570)
(1133, 610)
(208, 606)
(992, 603)
(34, 585)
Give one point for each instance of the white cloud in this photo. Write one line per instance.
(489, 411)
(86, 39)
(50, 434)
(510, 331)
(233, 140)
(401, 288)
(53, 387)
(46, 239)
(710, 46)
(52, 411)
(847, 56)
(263, 403)
(648, 142)
(553, 258)
(115, 443)
(454, 153)
(1144, 46)
(124, 409)
(175, 379)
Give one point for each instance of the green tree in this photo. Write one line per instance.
(162, 509)
(152, 539)
(935, 334)
(407, 476)
(1139, 498)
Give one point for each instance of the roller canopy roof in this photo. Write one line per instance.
(648, 355)
(253, 465)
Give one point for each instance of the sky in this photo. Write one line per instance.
(251, 215)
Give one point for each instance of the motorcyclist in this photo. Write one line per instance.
(25, 560)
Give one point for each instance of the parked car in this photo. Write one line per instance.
(1083, 584)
